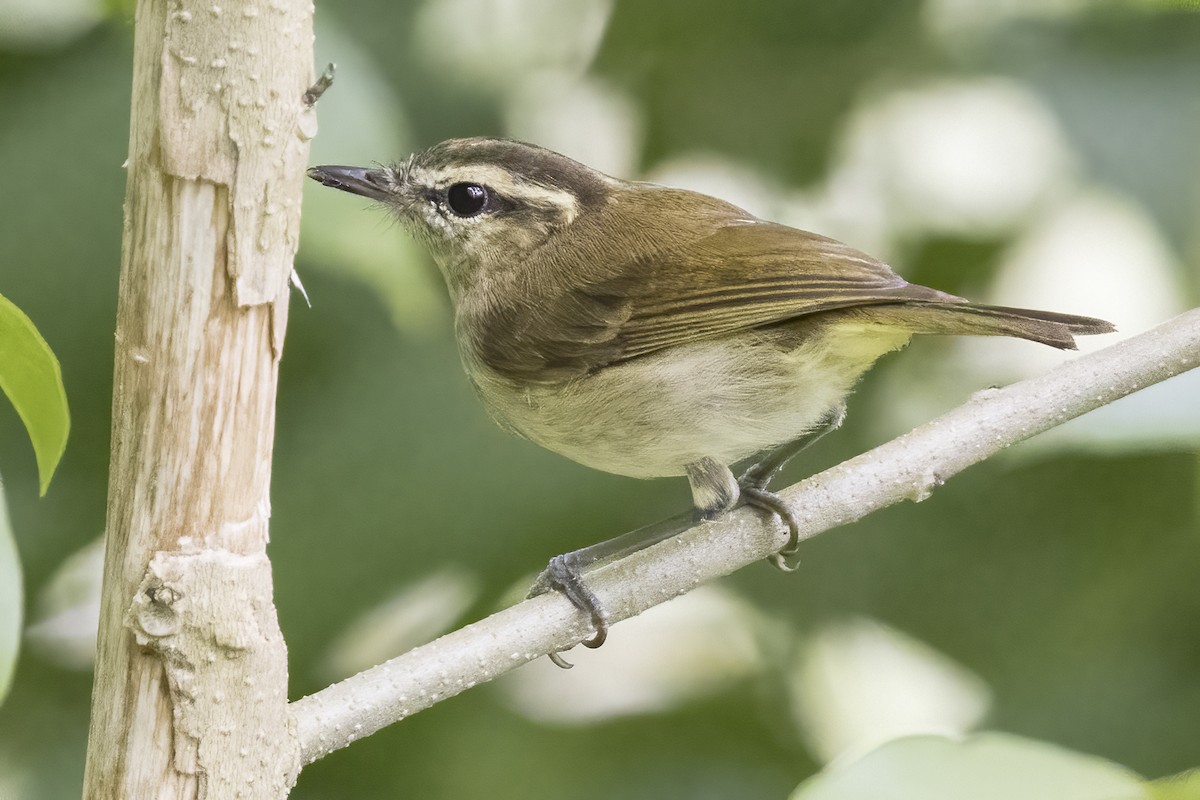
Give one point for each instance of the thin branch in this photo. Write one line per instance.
(907, 468)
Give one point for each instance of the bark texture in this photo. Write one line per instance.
(190, 693)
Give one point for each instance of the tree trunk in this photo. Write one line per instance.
(190, 692)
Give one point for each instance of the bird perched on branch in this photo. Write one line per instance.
(650, 331)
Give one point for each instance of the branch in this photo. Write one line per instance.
(191, 669)
(907, 468)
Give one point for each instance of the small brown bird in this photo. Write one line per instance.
(649, 331)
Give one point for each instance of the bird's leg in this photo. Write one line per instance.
(714, 491)
(762, 472)
(754, 482)
(564, 573)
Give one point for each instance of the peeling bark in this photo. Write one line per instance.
(218, 139)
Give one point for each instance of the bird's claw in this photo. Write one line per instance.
(760, 497)
(562, 575)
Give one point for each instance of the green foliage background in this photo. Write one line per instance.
(1065, 577)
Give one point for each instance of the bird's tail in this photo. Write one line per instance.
(965, 319)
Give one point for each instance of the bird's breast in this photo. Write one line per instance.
(651, 416)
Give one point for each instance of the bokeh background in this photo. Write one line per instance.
(1031, 152)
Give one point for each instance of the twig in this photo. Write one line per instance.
(907, 468)
(313, 93)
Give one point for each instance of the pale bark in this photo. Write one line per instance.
(190, 688)
(908, 468)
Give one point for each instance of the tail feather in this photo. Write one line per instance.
(1047, 327)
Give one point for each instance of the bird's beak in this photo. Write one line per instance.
(377, 184)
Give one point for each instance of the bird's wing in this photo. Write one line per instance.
(744, 276)
(738, 274)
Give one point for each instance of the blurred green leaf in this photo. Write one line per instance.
(30, 376)
(989, 766)
(1163, 5)
(10, 600)
(120, 8)
(1185, 786)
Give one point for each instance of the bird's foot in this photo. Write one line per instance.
(760, 497)
(563, 574)
(715, 491)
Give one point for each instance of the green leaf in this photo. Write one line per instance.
(10, 600)
(30, 376)
(1185, 786)
(988, 766)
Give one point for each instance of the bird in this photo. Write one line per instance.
(651, 331)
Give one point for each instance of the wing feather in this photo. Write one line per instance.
(704, 274)
(751, 275)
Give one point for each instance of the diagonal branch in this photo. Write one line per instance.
(907, 468)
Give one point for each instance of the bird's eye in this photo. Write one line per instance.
(467, 199)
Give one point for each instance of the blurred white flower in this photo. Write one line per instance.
(68, 610)
(690, 647)
(493, 43)
(1096, 254)
(859, 683)
(959, 157)
(1091, 252)
(977, 157)
(46, 23)
(412, 616)
(581, 117)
